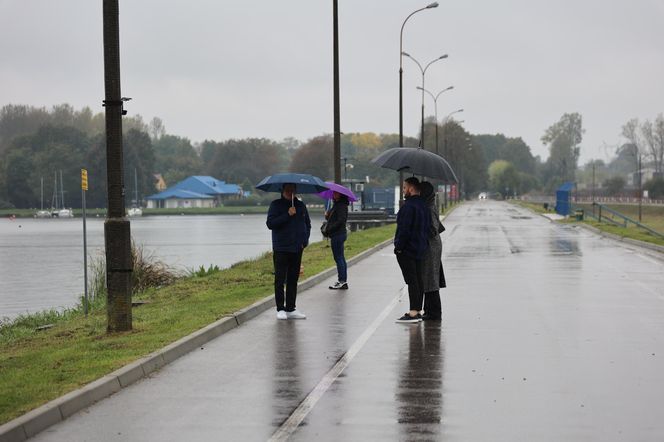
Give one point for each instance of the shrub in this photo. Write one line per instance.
(655, 188)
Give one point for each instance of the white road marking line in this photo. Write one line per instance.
(300, 413)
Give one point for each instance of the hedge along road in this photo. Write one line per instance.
(549, 333)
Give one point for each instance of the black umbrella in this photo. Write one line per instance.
(417, 161)
(304, 183)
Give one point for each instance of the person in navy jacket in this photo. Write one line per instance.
(411, 241)
(289, 221)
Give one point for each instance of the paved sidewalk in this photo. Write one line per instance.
(549, 333)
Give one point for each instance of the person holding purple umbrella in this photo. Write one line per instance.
(335, 229)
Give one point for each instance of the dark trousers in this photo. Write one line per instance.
(337, 243)
(286, 271)
(412, 269)
(432, 305)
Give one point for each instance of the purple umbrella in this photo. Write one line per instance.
(334, 187)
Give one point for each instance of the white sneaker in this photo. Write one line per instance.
(296, 315)
(281, 314)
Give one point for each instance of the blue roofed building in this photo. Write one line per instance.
(195, 191)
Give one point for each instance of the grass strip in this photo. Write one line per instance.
(653, 216)
(39, 366)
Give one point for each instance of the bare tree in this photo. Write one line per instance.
(647, 139)
(156, 128)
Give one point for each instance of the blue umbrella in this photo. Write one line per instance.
(304, 183)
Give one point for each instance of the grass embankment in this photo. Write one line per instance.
(38, 366)
(652, 216)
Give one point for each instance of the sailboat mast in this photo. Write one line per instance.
(136, 187)
(41, 197)
(55, 192)
(62, 191)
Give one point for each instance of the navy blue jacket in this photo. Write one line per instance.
(289, 233)
(413, 223)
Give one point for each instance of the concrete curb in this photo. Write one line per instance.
(57, 410)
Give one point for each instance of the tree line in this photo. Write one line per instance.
(36, 143)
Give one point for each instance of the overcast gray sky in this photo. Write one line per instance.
(218, 69)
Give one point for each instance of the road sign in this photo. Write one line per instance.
(84, 179)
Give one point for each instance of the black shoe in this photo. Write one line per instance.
(407, 319)
(339, 286)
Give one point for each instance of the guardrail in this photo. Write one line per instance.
(624, 219)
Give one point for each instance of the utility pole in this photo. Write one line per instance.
(337, 119)
(593, 189)
(640, 186)
(117, 235)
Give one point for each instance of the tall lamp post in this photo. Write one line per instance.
(429, 6)
(435, 105)
(337, 123)
(423, 71)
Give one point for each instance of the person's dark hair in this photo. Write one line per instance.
(413, 181)
(427, 191)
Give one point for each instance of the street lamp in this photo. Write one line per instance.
(336, 106)
(346, 167)
(429, 6)
(435, 104)
(423, 71)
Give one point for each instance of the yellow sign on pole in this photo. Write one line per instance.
(84, 179)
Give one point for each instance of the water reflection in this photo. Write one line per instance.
(419, 394)
(563, 242)
(286, 384)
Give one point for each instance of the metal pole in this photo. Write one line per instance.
(337, 120)
(422, 130)
(435, 104)
(117, 235)
(640, 189)
(85, 252)
(593, 195)
(445, 156)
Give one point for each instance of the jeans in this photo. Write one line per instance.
(337, 243)
(286, 271)
(412, 269)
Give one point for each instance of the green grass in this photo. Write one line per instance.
(652, 216)
(36, 367)
(535, 207)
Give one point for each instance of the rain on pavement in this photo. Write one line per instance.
(549, 333)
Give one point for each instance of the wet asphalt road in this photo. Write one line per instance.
(549, 333)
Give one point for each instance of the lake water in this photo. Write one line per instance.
(41, 260)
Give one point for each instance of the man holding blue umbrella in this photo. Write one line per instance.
(289, 221)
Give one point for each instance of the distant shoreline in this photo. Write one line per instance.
(226, 210)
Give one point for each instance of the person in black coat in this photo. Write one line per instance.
(433, 276)
(289, 221)
(411, 241)
(335, 229)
